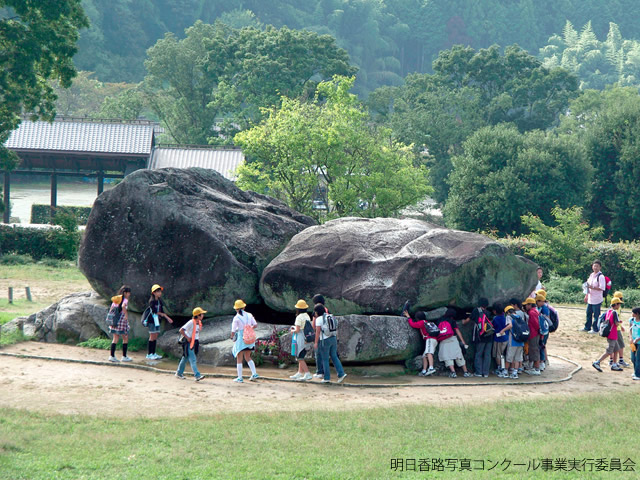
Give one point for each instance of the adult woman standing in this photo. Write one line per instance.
(241, 349)
(156, 305)
(121, 300)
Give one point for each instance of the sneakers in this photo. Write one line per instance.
(181, 377)
(114, 359)
(325, 381)
(616, 368)
(503, 374)
(150, 356)
(431, 371)
(535, 371)
(201, 377)
(485, 376)
(253, 377)
(126, 359)
(238, 380)
(295, 376)
(542, 366)
(318, 375)
(582, 329)
(592, 331)
(466, 375)
(596, 365)
(307, 377)
(513, 375)
(635, 378)
(477, 375)
(340, 379)
(453, 375)
(156, 356)
(423, 373)
(622, 363)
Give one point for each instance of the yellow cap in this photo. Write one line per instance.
(116, 299)
(529, 301)
(508, 308)
(197, 311)
(615, 301)
(302, 305)
(239, 304)
(540, 297)
(156, 287)
(618, 294)
(542, 292)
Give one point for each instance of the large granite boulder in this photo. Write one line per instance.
(376, 338)
(74, 318)
(365, 265)
(215, 342)
(191, 231)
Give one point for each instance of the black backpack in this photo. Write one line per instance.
(555, 320)
(432, 329)
(309, 332)
(604, 326)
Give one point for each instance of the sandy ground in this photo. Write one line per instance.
(105, 390)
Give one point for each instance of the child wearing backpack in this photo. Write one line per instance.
(120, 301)
(328, 343)
(515, 349)
(534, 336)
(620, 352)
(244, 336)
(318, 299)
(500, 339)
(483, 332)
(634, 341)
(156, 311)
(298, 334)
(190, 341)
(450, 351)
(609, 329)
(430, 336)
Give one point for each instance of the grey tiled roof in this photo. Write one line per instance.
(83, 136)
(223, 160)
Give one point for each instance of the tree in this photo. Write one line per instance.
(212, 83)
(37, 43)
(613, 147)
(564, 244)
(302, 149)
(504, 174)
(471, 89)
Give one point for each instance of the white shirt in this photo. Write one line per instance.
(240, 321)
(188, 329)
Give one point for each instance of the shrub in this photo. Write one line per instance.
(103, 343)
(42, 213)
(15, 259)
(40, 242)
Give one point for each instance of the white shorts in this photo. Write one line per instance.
(430, 346)
(459, 362)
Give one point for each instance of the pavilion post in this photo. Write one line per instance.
(6, 196)
(54, 196)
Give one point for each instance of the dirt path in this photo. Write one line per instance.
(77, 388)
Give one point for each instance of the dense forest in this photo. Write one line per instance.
(385, 39)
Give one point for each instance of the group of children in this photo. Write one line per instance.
(514, 335)
(611, 326)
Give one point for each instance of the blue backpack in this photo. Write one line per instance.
(545, 324)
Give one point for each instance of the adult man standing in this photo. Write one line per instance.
(595, 286)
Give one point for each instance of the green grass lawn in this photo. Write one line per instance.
(326, 445)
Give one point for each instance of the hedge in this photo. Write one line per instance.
(42, 213)
(620, 261)
(54, 242)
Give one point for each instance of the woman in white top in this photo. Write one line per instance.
(241, 350)
(297, 334)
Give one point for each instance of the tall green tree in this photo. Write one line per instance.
(37, 43)
(327, 147)
(612, 142)
(504, 174)
(214, 81)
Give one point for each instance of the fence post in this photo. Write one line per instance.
(10, 294)
(28, 292)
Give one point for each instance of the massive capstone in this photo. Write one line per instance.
(364, 265)
(191, 231)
